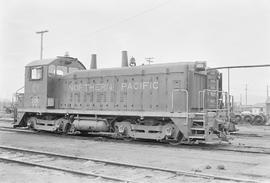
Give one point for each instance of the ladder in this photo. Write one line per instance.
(198, 124)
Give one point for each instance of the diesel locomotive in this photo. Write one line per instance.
(179, 102)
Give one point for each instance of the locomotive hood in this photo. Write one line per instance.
(137, 70)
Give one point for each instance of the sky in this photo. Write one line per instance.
(223, 33)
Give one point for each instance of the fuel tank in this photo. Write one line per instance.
(91, 125)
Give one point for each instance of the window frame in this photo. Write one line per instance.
(35, 67)
(61, 67)
(50, 74)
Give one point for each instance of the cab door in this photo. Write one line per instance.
(55, 89)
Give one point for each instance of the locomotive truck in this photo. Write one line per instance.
(179, 102)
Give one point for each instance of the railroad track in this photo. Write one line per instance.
(5, 156)
(16, 130)
(243, 149)
(100, 168)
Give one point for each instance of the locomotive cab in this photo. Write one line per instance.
(41, 78)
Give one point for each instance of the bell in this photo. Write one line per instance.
(132, 62)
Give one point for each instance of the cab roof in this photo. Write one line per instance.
(62, 61)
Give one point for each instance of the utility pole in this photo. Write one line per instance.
(246, 94)
(149, 60)
(267, 91)
(41, 41)
(228, 96)
(240, 99)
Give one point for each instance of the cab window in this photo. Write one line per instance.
(36, 73)
(61, 70)
(57, 70)
(51, 70)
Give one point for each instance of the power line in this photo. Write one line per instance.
(131, 17)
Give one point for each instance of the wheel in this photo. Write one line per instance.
(31, 123)
(178, 139)
(66, 128)
(115, 128)
(127, 139)
(123, 129)
(84, 133)
(238, 118)
(248, 119)
(258, 120)
(126, 136)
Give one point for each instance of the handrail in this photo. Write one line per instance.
(203, 102)
(16, 96)
(227, 101)
(19, 89)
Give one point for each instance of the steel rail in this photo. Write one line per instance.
(65, 170)
(154, 143)
(17, 130)
(109, 162)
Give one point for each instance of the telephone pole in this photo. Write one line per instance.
(149, 60)
(240, 99)
(41, 42)
(267, 91)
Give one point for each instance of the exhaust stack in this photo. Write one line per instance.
(93, 61)
(124, 59)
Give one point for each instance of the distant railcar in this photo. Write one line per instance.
(172, 102)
